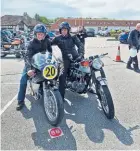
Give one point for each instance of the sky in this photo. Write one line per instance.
(113, 9)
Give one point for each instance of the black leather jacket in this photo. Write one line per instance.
(67, 45)
(133, 38)
(82, 35)
(36, 46)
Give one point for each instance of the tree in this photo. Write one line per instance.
(37, 17)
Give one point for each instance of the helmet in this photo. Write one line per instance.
(64, 25)
(40, 28)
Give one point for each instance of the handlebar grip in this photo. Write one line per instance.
(105, 54)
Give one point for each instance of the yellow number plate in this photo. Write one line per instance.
(50, 72)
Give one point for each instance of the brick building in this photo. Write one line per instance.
(97, 24)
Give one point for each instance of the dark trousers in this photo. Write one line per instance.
(62, 77)
(134, 61)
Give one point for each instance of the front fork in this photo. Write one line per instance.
(100, 80)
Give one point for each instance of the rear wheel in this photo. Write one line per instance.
(18, 55)
(53, 106)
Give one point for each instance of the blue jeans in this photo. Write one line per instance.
(23, 86)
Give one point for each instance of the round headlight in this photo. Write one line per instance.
(97, 63)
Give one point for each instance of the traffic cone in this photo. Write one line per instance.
(118, 57)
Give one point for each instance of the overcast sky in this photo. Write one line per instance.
(117, 9)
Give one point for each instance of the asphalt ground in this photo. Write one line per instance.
(84, 126)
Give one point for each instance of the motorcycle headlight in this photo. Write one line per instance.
(97, 63)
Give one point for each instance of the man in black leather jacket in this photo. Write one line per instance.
(82, 35)
(66, 42)
(38, 44)
(133, 41)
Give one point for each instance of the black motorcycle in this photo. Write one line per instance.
(46, 73)
(13, 46)
(82, 75)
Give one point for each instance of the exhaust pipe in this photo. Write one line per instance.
(8, 52)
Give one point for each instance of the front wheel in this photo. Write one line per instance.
(106, 101)
(53, 106)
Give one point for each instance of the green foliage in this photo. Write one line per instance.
(43, 19)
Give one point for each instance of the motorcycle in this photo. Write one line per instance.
(83, 75)
(13, 47)
(46, 72)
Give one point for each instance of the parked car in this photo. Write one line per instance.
(90, 32)
(123, 37)
(104, 33)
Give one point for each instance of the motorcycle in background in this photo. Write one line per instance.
(13, 47)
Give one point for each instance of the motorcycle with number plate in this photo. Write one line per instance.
(46, 72)
(89, 73)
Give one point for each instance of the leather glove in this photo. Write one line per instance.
(80, 58)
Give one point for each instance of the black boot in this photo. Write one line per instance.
(135, 64)
(136, 68)
(128, 66)
(20, 105)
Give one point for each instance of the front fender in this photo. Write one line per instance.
(102, 81)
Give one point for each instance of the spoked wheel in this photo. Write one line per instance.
(106, 101)
(53, 106)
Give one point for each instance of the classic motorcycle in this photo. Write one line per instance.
(47, 74)
(13, 47)
(83, 75)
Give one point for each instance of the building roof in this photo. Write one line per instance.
(13, 20)
(95, 22)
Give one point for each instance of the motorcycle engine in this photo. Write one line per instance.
(77, 81)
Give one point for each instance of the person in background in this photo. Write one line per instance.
(82, 35)
(134, 46)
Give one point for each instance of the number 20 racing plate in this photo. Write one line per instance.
(50, 72)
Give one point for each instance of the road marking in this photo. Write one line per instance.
(7, 105)
(55, 132)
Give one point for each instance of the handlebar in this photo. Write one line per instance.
(102, 55)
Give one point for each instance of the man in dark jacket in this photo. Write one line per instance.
(82, 35)
(38, 44)
(66, 42)
(133, 41)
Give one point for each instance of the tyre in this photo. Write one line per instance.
(2, 55)
(53, 107)
(18, 55)
(106, 101)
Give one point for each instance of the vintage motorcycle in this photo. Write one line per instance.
(84, 74)
(12, 47)
(47, 73)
